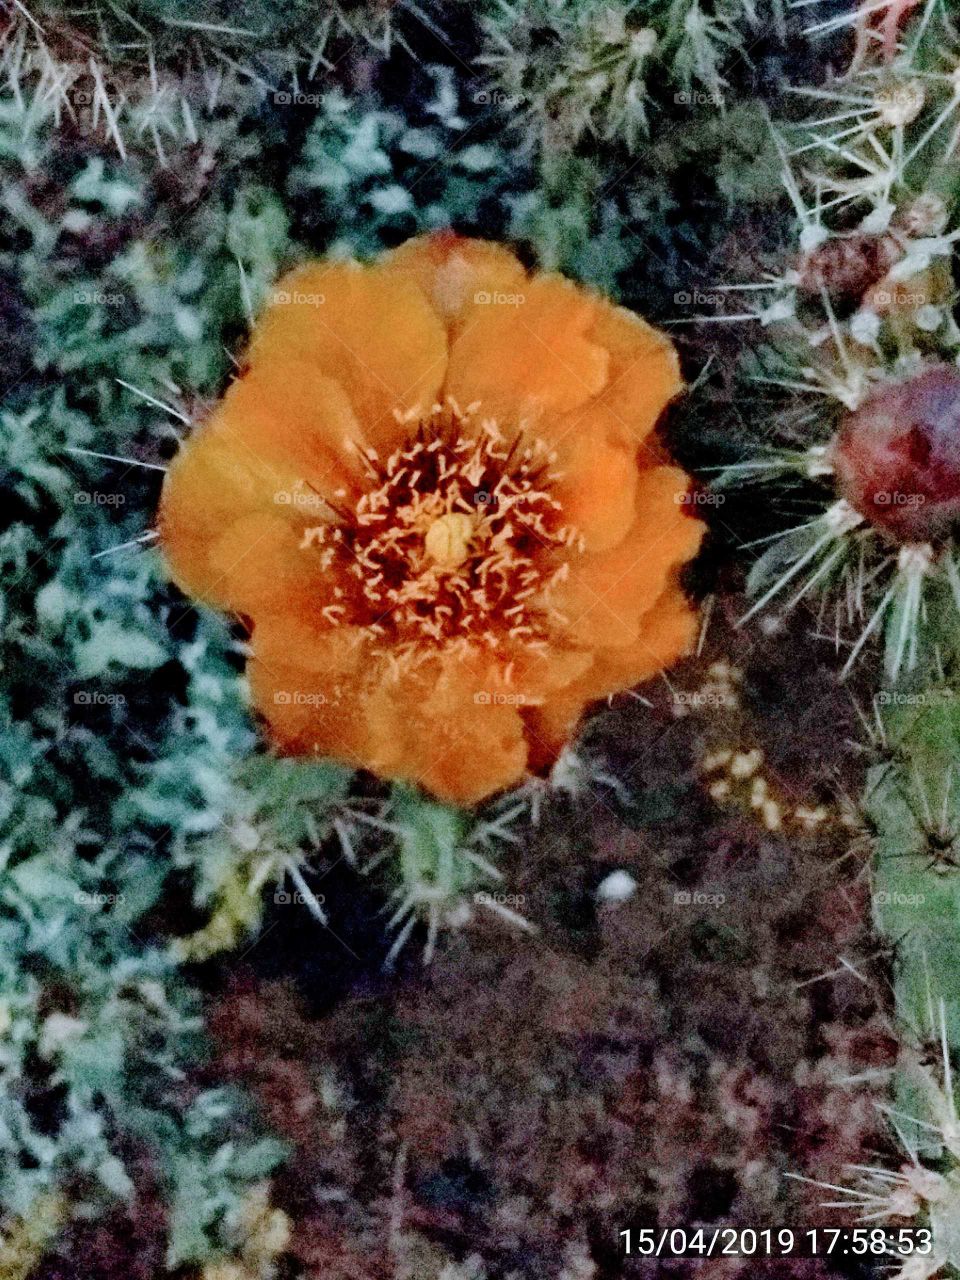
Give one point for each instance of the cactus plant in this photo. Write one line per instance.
(858, 360)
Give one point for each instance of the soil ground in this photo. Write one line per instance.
(673, 1060)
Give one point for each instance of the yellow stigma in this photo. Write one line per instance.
(447, 541)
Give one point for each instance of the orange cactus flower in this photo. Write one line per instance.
(433, 497)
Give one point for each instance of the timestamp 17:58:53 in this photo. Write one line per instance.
(774, 1242)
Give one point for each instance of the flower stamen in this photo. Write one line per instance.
(453, 541)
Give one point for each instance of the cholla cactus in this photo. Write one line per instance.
(863, 363)
(591, 70)
(861, 370)
(862, 351)
(918, 1204)
(111, 91)
(122, 75)
(593, 80)
(444, 866)
(913, 804)
(278, 814)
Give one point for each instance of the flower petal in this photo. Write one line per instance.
(644, 370)
(258, 454)
(208, 484)
(522, 360)
(311, 715)
(597, 465)
(667, 632)
(438, 733)
(371, 330)
(285, 640)
(606, 593)
(529, 674)
(459, 275)
(256, 565)
(286, 411)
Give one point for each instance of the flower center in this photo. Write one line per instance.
(448, 538)
(457, 541)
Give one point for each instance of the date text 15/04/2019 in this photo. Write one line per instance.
(774, 1242)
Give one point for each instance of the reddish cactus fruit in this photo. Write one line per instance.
(897, 457)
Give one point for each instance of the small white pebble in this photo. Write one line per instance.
(617, 887)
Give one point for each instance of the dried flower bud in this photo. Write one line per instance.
(890, 296)
(846, 267)
(925, 216)
(901, 103)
